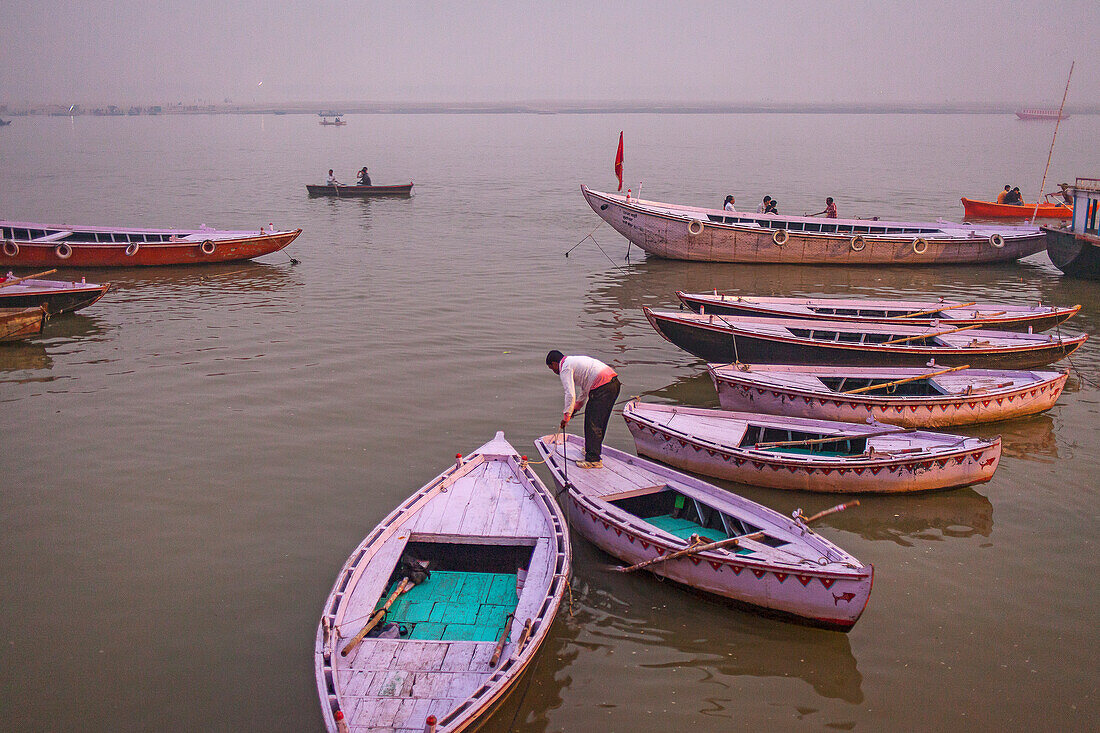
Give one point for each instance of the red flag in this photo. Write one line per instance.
(619, 161)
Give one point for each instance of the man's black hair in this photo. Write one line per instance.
(554, 357)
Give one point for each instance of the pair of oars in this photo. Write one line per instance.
(696, 548)
(376, 617)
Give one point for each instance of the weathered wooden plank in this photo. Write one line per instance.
(459, 656)
(419, 655)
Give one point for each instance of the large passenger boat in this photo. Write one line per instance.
(714, 235)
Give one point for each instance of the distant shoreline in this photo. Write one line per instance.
(356, 108)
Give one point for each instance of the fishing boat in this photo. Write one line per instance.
(21, 323)
(717, 338)
(443, 606)
(640, 511)
(808, 455)
(993, 316)
(56, 296)
(334, 123)
(928, 397)
(681, 232)
(342, 191)
(994, 210)
(1076, 250)
(29, 245)
(1041, 114)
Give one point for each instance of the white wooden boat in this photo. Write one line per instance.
(498, 557)
(808, 455)
(928, 397)
(942, 312)
(682, 232)
(638, 510)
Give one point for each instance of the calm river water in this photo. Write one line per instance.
(186, 464)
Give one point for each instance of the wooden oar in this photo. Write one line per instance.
(13, 281)
(697, 548)
(834, 439)
(502, 641)
(869, 387)
(929, 335)
(523, 636)
(376, 617)
(937, 310)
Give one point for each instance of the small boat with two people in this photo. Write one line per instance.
(340, 190)
(1075, 250)
(336, 118)
(56, 296)
(707, 538)
(795, 453)
(725, 339)
(992, 316)
(974, 209)
(26, 244)
(678, 232)
(441, 609)
(927, 397)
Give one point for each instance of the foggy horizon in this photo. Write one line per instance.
(695, 53)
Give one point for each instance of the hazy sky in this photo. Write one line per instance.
(150, 51)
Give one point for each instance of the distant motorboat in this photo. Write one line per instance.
(1040, 114)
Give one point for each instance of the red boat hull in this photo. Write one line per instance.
(993, 210)
(147, 254)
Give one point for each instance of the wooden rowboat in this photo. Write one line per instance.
(927, 397)
(713, 235)
(995, 316)
(455, 644)
(809, 455)
(637, 510)
(994, 210)
(55, 296)
(26, 244)
(21, 323)
(342, 191)
(724, 339)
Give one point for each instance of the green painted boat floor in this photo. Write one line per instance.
(454, 606)
(685, 528)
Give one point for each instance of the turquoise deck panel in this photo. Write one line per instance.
(453, 605)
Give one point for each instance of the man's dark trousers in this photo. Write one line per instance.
(596, 416)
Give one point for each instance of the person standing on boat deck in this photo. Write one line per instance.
(364, 177)
(332, 179)
(763, 207)
(1003, 194)
(830, 208)
(587, 380)
(728, 205)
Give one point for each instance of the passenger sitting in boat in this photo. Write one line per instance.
(364, 177)
(728, 205)
(332, 179)
(773, 207)
(830, 209)
(1003, 194)
(763, 207)
(1014, 197)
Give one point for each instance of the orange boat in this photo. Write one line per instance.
(993, 210)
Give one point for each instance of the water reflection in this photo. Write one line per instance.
(1032, 439)
(907, 518)
(233, 276)
(22, 356)
(700, 640)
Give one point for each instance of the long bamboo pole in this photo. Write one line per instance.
(869, 387)
(377, 616)
(929, 335)
(1054, 137)
(16, 280)
(937, 310)
(834, 439)
(696, 549)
